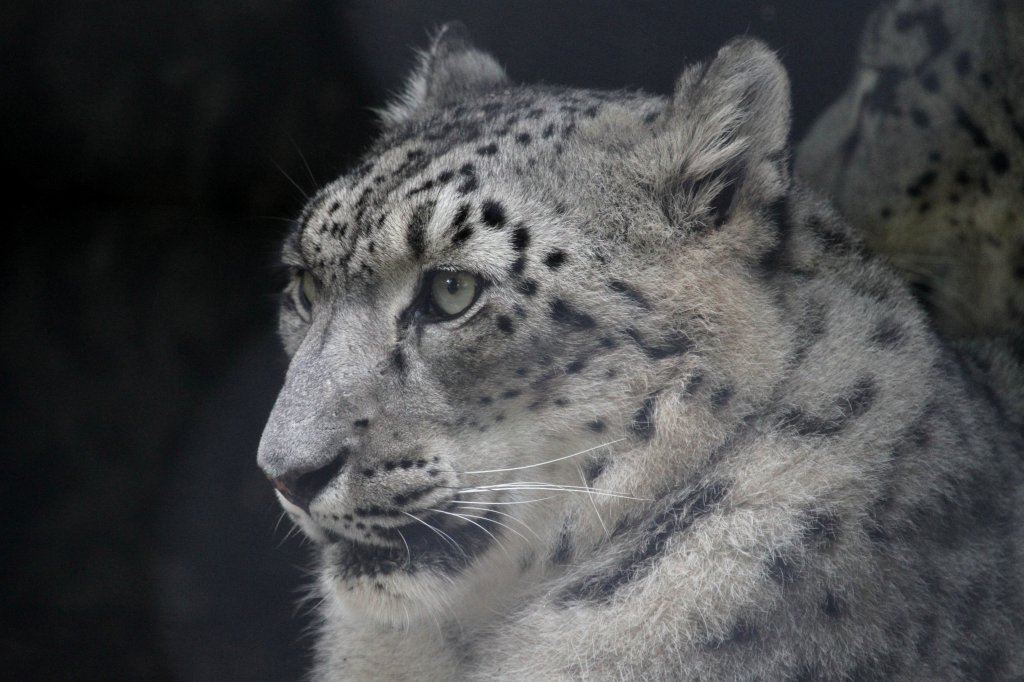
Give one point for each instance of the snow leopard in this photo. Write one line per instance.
(587, 385)
(924, 152)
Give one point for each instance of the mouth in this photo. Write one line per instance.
(436, 541)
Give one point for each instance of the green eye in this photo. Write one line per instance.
(308, 290)
(451, 293)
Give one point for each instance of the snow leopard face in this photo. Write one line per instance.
(480, 315)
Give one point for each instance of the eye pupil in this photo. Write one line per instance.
(451, 283)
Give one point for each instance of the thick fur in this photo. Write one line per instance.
(924, 153)
(694, 430)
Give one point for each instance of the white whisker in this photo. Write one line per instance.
(525, 525)
(468, 519)
(531, 485)
(439, 532)
(550, 461)
(510, 502)
(592, 502)
(498, 523)
(408, 552)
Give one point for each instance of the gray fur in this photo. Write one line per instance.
(782, 473)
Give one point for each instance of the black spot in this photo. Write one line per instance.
(523, 138)
(963, 63)
(922, 182)
(822, 529)
(630, 293)
(461, 215)
(487, 149)
(504, 323)
(721, 396)
(642, 423)
(462, 235)
(843, 409)
(741, 633)
(834, 606)
(493, 213)
(674, 344)
(398, 360)
(594, 468)
(596, 425)
(564, 313)
(978, 136)
(468, 184)
(999, 162)
(563, 548)
(930, 82)
(860, 399)
(888, 333)
(651, 117)
(425, 186)
(520, 238)
(555, 259)
(518, 265)
(511, 393)
(920, 118)
(527, 287)
(783, 569)
(361, 423)
(549, 130)
(575, 366)
(416, 230)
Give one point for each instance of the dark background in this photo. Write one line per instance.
(154, 152)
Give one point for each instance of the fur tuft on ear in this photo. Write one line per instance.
(451, 68)
(724, 142)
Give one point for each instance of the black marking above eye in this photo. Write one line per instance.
(493, 213)
(520, 238)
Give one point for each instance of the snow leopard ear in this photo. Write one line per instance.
(452, 68)
(724, 145)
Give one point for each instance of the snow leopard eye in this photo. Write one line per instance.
(452, 293)
(308, 291)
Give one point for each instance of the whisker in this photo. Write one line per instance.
(408, 552)
(309, 171)
(510, 502)
(553, 487)
(498, 523)
(439, 532)
(525, 525)
(294, 184)
(467, 518)
(550, 461)
(592, 502)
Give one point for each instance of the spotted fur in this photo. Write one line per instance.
(689, 428)
(924, 153)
